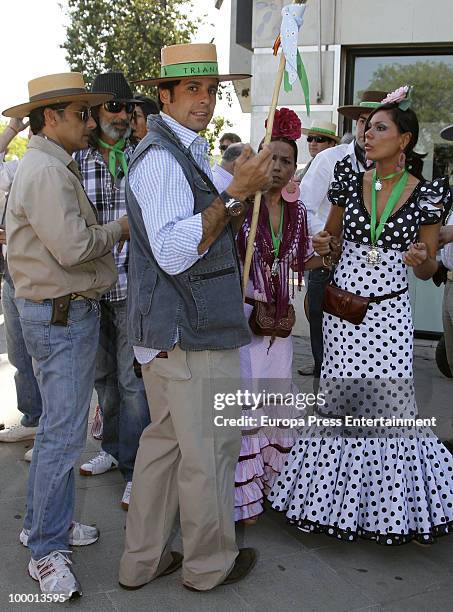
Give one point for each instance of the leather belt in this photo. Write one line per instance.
(74, 297)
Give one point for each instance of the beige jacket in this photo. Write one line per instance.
(55, 245)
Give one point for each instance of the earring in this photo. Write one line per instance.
(291, 192)
(401, 162)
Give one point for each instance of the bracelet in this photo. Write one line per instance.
(327, 261)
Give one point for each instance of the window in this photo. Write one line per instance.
(431, 74)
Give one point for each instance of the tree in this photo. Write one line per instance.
(125, 35)
(432, 97)
(212, 132)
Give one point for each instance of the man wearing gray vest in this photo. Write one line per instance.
(186, 322)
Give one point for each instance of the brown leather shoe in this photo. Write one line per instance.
(245, 562)
(174, 565)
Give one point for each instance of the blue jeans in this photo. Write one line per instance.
(317, 282)
(64, 359)
(121, 394)
(27, 390)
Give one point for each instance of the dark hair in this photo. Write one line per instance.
(148, 105)
(231, 136)
(292, 143)
(406, 121)
(37, 120)
(170, 85)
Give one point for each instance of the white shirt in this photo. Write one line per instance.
(447, 251)
(221, 177)
(7, 172)
(316, 183)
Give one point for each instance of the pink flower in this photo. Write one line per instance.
(397, 96)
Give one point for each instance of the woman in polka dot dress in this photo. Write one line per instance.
(388, 484)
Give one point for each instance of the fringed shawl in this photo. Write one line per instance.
(294, 252)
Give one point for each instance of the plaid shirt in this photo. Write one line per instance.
(109, 199)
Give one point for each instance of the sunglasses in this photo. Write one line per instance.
(85, 113)
(318, 139)
(116, 106)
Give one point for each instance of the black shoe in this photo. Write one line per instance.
(2, 426)
(245, 562)
(174, 565)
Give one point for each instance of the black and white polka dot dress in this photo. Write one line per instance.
(389, 484)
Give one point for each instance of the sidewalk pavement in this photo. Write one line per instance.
(296, 571)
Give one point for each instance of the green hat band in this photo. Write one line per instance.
(322, 131)
(370, 104)
(189, 69)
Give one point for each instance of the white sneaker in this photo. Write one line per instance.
(79, 535)
(17, 433)
(126, 496)
(29, 455)
(103, 462)
(54, 574)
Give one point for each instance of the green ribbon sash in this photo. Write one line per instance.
(190, 69)
(115, 153)
(397, 191)
(302, 74)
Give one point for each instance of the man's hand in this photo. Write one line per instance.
(321, 243)
(123, 221)
(252, 173)
(18, 124)
(416, 254)
(2, 237)
(445, 235)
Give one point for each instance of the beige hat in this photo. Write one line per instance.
(322, 128)
(55, 89)
(370, 100)
(190, 60)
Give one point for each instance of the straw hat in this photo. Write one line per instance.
(56, 89)
(447, 133)
(190, 60)
(370, 100)
(322, 128)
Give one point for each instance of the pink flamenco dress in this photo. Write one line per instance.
(266, 363)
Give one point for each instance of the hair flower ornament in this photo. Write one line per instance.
(401, 96)
(286, 124)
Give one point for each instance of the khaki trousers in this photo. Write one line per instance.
(184, 461)
(447, 315)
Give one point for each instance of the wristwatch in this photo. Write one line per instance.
(233, 207)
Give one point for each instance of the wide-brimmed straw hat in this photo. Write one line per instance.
(55, 89)
(370, 100)
(322, 128)
(447, 133)
(190, 60)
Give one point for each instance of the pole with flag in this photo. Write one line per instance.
(291, 68)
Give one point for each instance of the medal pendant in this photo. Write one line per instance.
(378, 185)
(274, 270)
(373, 257)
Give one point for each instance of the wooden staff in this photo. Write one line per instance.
(267, 139)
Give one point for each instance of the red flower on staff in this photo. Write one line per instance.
(286, 125)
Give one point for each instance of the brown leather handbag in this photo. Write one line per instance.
(345, 305)
(350, 306)
(262, 320)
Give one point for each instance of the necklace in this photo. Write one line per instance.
(386, 178)
(276, 240)
(373, 256)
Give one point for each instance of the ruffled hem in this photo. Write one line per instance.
(251, 511)
(386, 539)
